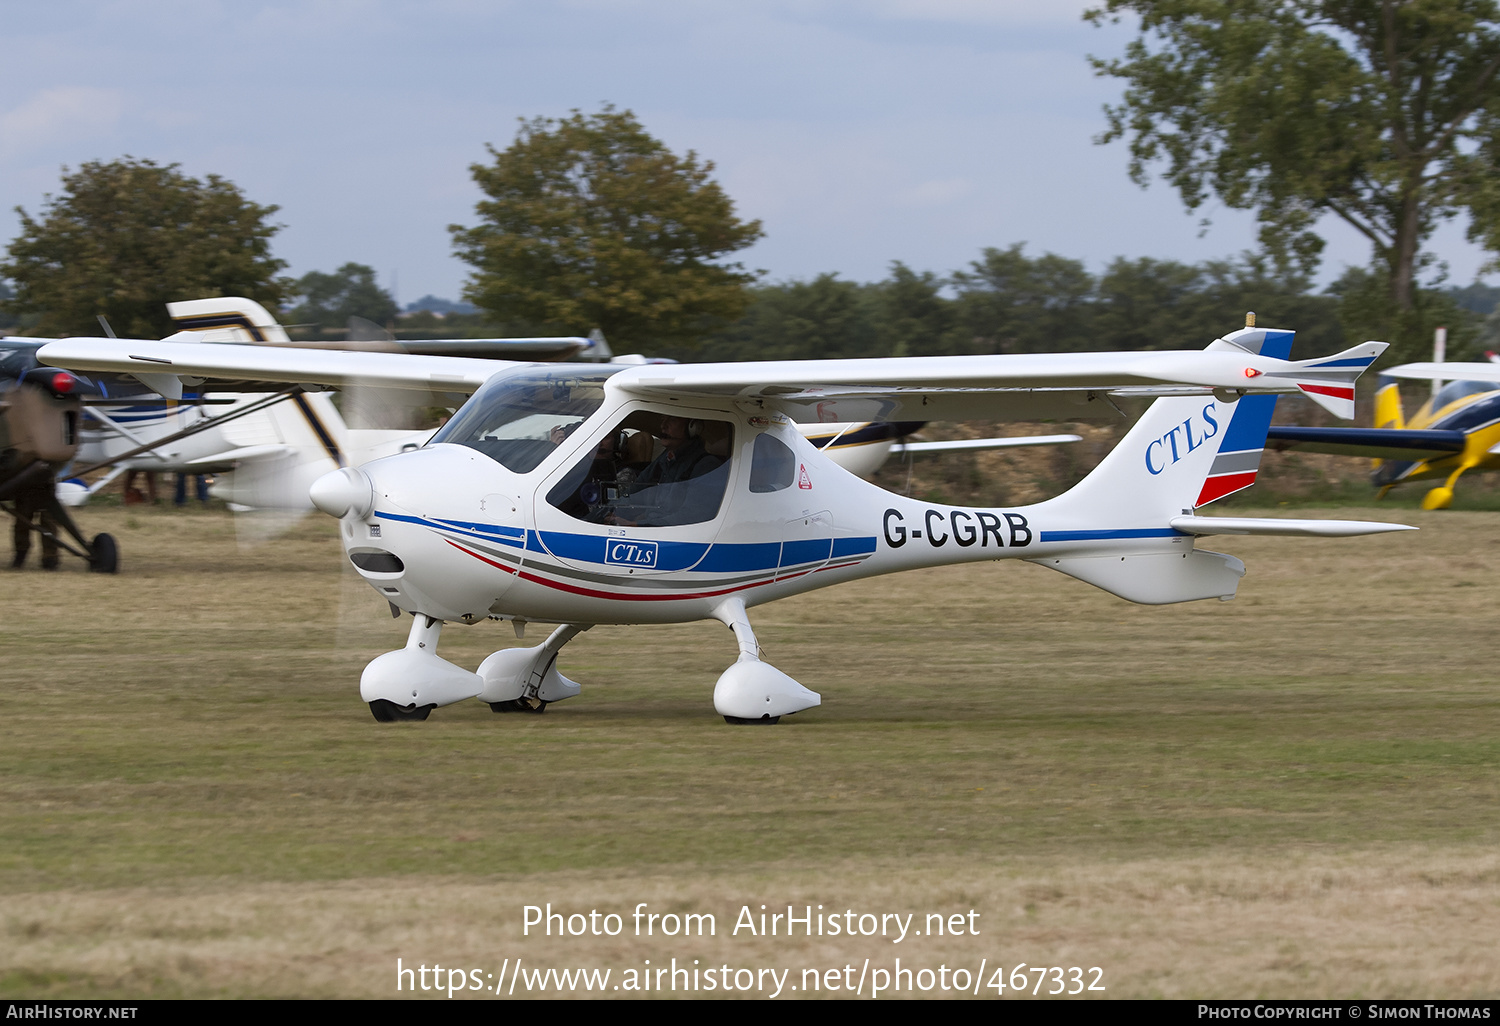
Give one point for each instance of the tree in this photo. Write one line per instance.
(913, 318)
(1383, 113)
(126, 237)
(1162, 304)
(329, 300)
(6, 320)
(590, 222)
(1012, 303)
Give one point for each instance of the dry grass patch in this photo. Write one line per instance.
(1405, 923)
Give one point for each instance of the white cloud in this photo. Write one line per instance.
(59, 113)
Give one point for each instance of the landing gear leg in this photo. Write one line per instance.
(751, 691)
(409, 683)
(1442, 496)
(526, 679)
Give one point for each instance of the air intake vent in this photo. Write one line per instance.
(377, 561)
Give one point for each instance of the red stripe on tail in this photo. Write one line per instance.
(1224, 484)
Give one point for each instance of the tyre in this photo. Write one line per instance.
(389, 712)
(104, 555)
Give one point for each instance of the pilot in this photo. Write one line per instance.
(683, 458)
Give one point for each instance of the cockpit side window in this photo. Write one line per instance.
(518, 420)
(650, 470)
(772, 465)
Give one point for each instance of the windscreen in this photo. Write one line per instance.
(518, 420)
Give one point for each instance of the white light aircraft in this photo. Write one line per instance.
(580, 495)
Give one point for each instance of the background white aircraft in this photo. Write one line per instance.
(262, 454)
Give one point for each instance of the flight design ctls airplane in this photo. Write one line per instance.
(580, 495)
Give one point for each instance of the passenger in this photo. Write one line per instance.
(605, 472)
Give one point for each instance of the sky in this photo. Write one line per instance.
(858, 133)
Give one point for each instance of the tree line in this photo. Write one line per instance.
(1010, 302)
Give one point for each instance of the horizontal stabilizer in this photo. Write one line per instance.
(1374, 443)
(1277, 526)
(1156, 578)
(1329, 380)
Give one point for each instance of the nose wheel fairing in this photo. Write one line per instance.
(516, 678)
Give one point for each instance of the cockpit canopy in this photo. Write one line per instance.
(519, 419)
(1455, 390)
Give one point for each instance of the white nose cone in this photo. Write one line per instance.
(343, 492)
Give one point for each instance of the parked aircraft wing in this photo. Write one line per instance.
(1447, 371)
(244, 368)
(1375, 443)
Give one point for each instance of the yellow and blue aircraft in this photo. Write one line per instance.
(1454, 432)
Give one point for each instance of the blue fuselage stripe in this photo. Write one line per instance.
(1137, 532)
(671, 555)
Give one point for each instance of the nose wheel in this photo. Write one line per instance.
(386, 711)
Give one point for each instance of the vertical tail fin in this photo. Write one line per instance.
(225, 319)
(1184, 452)
(1388, 405)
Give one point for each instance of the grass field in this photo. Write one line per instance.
(1294, 794)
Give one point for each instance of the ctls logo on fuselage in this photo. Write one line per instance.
(630, 553)
(1181, 440)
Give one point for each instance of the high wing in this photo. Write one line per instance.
(249, 368)
(1374, 443)
(1022, 386)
